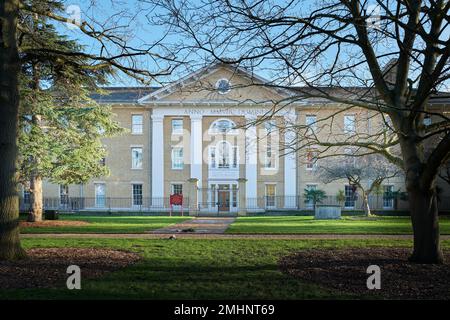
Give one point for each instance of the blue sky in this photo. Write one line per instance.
(140, 32)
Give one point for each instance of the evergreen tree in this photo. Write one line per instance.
(61, 127)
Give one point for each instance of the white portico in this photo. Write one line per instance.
(231, 155)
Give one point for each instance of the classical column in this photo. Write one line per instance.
(197, 150)
(157, 160)
(242, 210)
(193, 195)
(251, 164)
(290, 165)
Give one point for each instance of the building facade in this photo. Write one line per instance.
(206, 137)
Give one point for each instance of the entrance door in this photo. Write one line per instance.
(224, 200)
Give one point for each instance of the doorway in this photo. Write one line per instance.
(223, 196)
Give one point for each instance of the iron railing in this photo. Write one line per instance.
(272, 203)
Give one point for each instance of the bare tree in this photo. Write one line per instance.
(334, 52)
(366, 173)
(113, 48)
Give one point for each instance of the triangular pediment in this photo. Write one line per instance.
(205, 85)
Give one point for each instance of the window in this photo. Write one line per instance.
(223, 155)
(349, 124)
(388, 200)
(310, 203)
(26, 197)
(270, 195)
(137, 194)
(223, 86)
(311, 159)
(100, 199)
(350, 196)
(136, 158)
(177, 188)
(269, 161)
(222, 126)
(177, 158)
(177, 126)
(234, 191)
(350, 159)
(137, 124)
(311, 122)
(63, 195)
(212, 157)
(235, 157)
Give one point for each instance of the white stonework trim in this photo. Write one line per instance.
(251, 160)
(157, 156)
(290, 168)
(197, 150)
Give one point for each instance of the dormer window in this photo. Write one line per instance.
(223, 86)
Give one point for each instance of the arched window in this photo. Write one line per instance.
(223, 155)
(222, 126)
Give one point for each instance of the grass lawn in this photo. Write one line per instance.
(109, 224)
(347, 225)
(196, 269)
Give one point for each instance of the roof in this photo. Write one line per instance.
(122, 94)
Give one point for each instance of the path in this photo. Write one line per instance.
(183, 235)
(198, 225)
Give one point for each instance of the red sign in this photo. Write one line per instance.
(176, 199)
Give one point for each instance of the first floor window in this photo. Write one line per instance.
(177, 188)
(137, 194)
(350, 196)
(349, 124)
(270, 195)
(100, 195)
(137, 124)
(388, 200)
(136, 158)
(63, 195)
(177, 158)
(311, 159)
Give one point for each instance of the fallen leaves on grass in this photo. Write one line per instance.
(345, 271)
(46, 267)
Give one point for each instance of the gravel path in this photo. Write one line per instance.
(222, 236)
(198, 225)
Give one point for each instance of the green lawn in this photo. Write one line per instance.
(196, 269)
(109, 224)
(347, 225)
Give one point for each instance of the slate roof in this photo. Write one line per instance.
(122, 94)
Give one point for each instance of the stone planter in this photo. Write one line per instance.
(324, 212)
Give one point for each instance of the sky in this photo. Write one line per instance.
(136, 20)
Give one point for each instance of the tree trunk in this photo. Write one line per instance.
(425, 221)
(35, 213)
(9, 101)
(366, 205)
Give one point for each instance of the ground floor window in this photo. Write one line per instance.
(270, 195)
(100, 195)
(177, 188)
(26, 197)
(137, 194)
(235, 195)
(64, 195)
(388, 200)
(350, 196)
